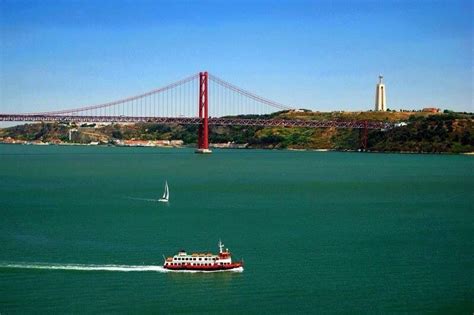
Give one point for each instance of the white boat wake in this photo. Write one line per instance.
(90, 267)
(83, 267)
(143, 199)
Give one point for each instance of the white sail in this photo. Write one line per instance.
(166, 194)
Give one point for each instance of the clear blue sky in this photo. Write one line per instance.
(322, 55)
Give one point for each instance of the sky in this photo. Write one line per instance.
(319, 55)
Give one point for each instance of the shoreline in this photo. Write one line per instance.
(234, 148)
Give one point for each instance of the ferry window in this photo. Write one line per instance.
(200, 258)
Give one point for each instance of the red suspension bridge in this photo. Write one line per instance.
(218, 104)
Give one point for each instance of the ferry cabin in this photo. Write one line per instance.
(199, 259)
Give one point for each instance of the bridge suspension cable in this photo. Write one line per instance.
(178, 99)
(226, 99)
(144, 104)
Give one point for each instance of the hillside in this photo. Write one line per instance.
(423, 132)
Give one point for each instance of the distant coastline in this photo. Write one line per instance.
(414, 132)
(221, 146)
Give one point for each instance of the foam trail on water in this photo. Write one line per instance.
(83, 267)
(143, 199)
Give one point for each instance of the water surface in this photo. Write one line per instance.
(318, 231)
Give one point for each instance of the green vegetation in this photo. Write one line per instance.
(37, 132)
(420, 132)
(435, 133)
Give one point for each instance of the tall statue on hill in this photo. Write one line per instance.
(380, 99)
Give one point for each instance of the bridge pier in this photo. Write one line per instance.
(203, 132)
(363, 137)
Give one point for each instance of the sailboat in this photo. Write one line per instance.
(166, 194)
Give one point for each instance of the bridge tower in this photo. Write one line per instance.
(363, 137)
(203, 131)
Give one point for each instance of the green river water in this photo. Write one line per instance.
(320, 232)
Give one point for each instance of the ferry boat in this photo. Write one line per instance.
(203, 261)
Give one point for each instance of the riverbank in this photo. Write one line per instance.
(414, 132)
(223, 147)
